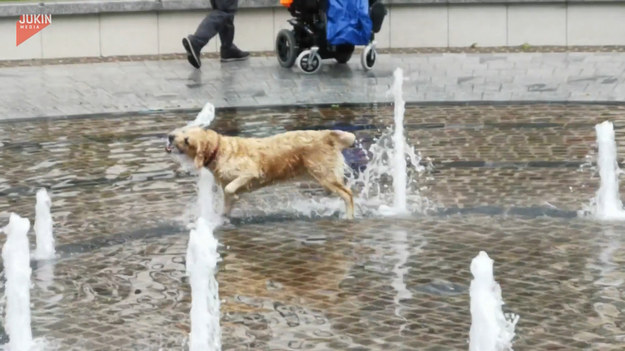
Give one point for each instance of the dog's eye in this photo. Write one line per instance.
(186, 140)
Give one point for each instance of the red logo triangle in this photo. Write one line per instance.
(29, 25)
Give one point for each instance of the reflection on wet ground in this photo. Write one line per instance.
(506, 179)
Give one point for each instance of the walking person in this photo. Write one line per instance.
(219, 21)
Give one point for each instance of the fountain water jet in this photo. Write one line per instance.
(43, 227)
(491, 329)
(608, 205)
(16, 260)
(202, 257)
(387, 161)
(201, 262)
(399, 144)
(210, 199)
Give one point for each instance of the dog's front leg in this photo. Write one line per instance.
(228, 203)
(230, 192)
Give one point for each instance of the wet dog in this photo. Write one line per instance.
(244, 164)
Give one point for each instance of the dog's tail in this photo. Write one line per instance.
(343, 139)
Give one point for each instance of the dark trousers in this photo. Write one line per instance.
(219, 21)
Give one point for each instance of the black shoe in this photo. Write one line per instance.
(233, 53)
(192, 55)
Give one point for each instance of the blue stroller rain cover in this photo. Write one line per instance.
(348, 22)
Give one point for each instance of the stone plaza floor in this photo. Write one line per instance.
(509, 170)
(120, 87)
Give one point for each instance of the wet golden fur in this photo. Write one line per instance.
(243, 164)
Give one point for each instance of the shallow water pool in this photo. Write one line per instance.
(507, 179)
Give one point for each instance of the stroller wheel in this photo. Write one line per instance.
(368, 56)
(309, 61)
(286, 48)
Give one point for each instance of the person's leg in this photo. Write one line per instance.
(208, 28)
(229, 51)
(226, 35)
(227, 9)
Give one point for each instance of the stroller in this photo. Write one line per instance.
(324, 29)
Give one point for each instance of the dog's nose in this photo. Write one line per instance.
(170, 137)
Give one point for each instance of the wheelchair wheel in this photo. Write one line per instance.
(286, 48)
(343, 53)
(309, 62)
(368, 56)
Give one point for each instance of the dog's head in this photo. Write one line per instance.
(198, 144)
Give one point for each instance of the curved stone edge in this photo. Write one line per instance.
(342, 103)
(79, 7)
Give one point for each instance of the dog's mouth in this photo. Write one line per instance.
(171, 147)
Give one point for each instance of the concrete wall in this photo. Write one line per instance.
(407, 25)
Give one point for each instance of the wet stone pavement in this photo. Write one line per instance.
(507, 179)
(151, 84)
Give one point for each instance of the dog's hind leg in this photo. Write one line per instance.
(327, 170)
(345, 193)
(329, 182)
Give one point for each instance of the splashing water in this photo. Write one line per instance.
(205, 117)
(202, 257)
(16, 260)
(388, 185)
(607, 205)
(43, 227)
(387, 161)
(491, 329)
(374, 187)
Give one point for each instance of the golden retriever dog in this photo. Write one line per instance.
(244, 164)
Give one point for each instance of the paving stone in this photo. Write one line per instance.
(153, 85)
